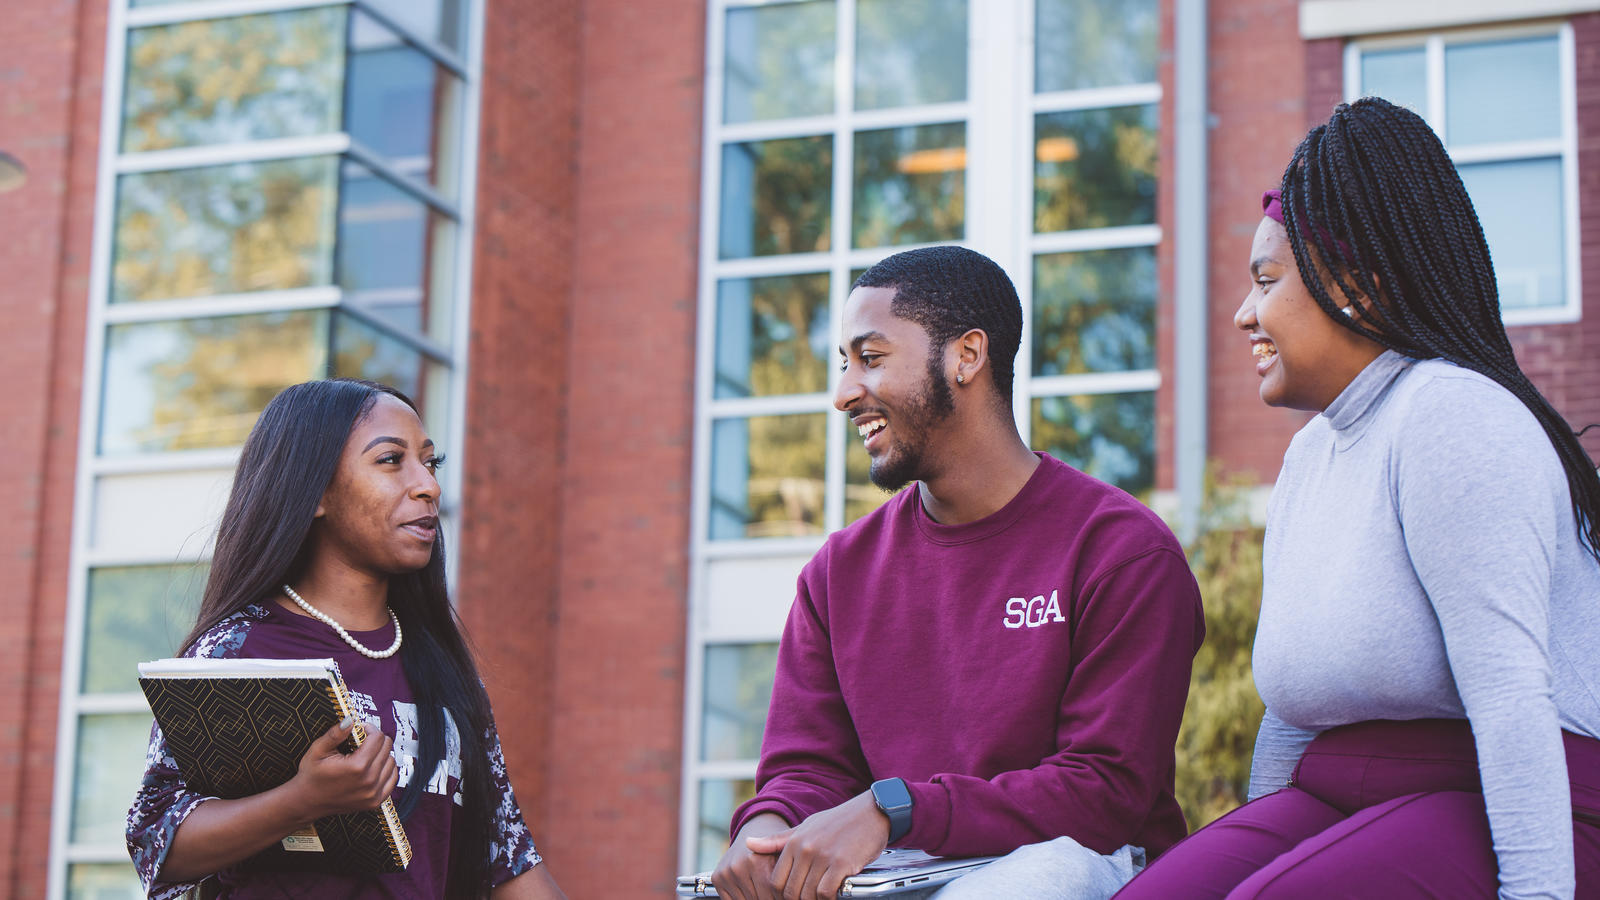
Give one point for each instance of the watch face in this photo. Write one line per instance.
(891, 793)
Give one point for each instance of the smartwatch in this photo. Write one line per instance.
(894, 799)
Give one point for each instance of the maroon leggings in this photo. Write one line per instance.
(1377, 809)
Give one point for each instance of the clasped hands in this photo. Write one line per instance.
(769, 860)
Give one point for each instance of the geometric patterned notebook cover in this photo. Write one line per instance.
(237, 727)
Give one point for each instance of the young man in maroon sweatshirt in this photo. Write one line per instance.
(996, 659)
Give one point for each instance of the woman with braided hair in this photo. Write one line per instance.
(1429, 642)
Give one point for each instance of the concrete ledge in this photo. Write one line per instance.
(1348, 18)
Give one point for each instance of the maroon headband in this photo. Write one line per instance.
(1272, 208)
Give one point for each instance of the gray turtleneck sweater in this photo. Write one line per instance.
(1422, 561)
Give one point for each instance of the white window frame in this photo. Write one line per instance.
(1564, 147)
(999, 117)
(92, 467)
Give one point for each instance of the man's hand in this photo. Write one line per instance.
(743, 874)
(816, 856)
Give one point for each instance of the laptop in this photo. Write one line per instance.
(895, 872)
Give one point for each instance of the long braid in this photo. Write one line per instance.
(1372, 199)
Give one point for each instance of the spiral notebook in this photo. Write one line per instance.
(237, 727)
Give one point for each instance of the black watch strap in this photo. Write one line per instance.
(894, 799)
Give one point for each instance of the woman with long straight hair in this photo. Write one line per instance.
(330, 547)
(1429, 641)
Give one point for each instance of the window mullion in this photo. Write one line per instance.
(1435, 64)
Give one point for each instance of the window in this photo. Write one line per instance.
(836, 136)
(281, 199)
(1503, 103)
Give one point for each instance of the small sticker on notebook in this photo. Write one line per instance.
(304, 840)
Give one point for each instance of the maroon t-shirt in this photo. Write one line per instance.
(384, 701)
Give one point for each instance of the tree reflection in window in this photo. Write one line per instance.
(225, 229)
(910, 185)
(193, 383)
(779, 61)
(766, 476)
(239, 79)
(362, 351)
(1109, 436)
(1094, 168)
(738, 689)
(777, 197)
(772, 336)
(133, 614)
(1094, 311)
(1094, 43)
(719, 797)
(910, 52)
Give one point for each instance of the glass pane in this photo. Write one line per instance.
(396, 256)
(1502, 91)
(718, 799)
(1519, 204)
(1398, 76)
(777, 196)
(443, 21)
(401, 104)
(910, 185)
(188, 383)
(910, 52)
(1094, 311)
(772, 336)
(1094, 168)
(104, 881)
(861, 496)
(110, 763)
(1109, 436)
(738, 679)
(362, 351)
(766, 476)
(135, 614)
(779, 62)
(224, 229)
(1094, 43)
(229, 80)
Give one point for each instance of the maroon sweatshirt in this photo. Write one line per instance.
(1024, 673)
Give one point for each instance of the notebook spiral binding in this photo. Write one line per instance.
(398, 842)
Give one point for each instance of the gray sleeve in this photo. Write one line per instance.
(1479, 491)
(1278, 750)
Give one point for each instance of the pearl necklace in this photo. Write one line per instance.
(321, 616)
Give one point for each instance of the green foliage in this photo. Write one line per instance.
(1224, 711)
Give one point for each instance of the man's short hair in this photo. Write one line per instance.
(950, 291)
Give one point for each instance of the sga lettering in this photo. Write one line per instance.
(1024, 613)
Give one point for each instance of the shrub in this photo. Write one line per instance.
(1223, 712)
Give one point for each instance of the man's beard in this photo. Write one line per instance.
(902, 461)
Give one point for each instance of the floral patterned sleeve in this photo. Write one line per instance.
(164, 800)
(511, 852)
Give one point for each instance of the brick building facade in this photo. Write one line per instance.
(588, 567)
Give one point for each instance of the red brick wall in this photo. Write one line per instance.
(574, 574)
(51, 66)
(1258, 100)
(507, 583)
(624, 574)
